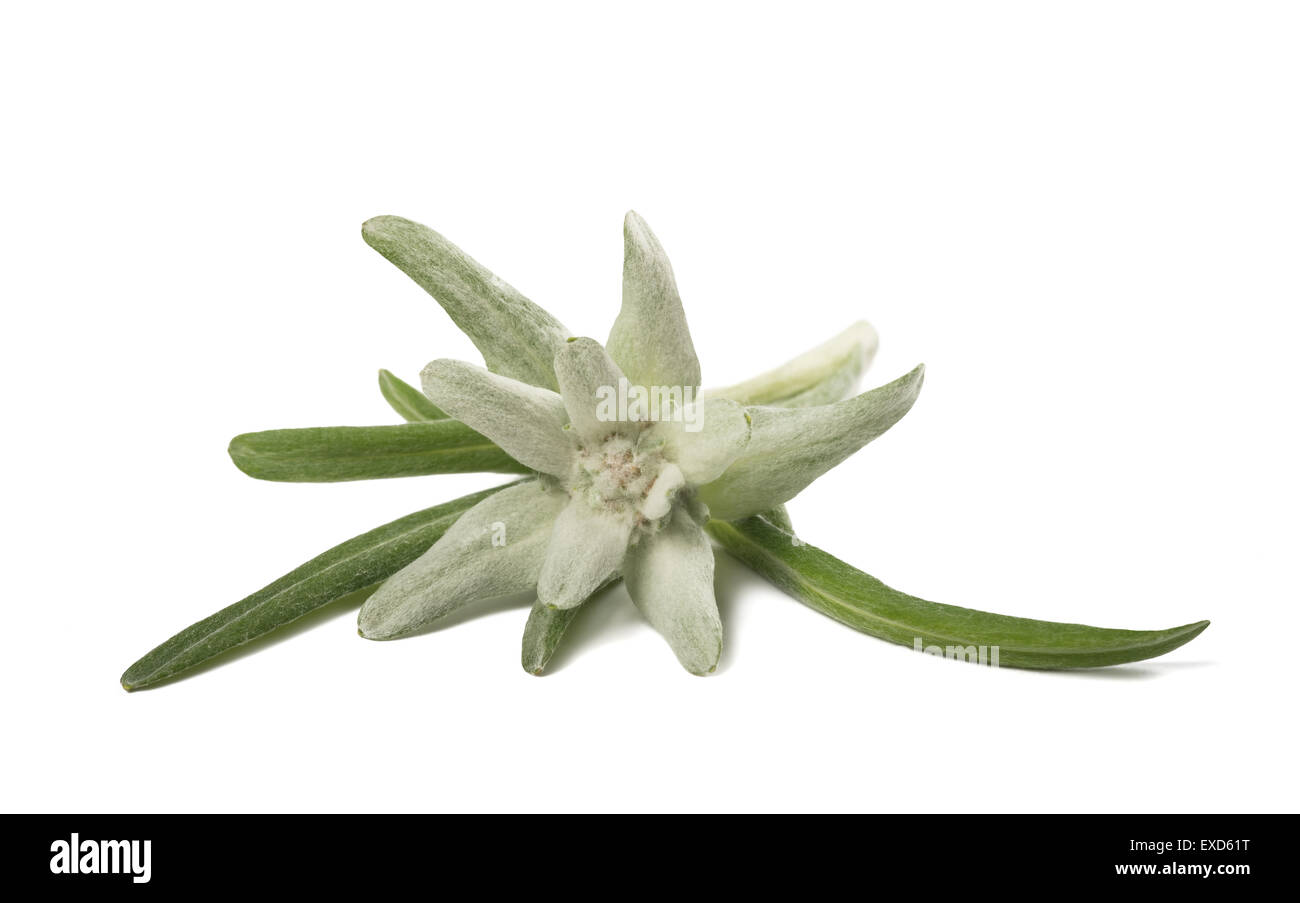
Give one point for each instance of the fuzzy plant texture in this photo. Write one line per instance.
(630, 471)
(611, 497)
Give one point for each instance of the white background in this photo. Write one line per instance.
(1082, 217)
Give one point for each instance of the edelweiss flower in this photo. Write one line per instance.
(610, 497)
(628, 468)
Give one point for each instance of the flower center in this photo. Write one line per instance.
(622, 477)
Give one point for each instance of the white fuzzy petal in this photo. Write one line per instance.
(587, 546)
(494, 549)
(790, 447)
(670, 578)
(518, 339)
(526, 421)
(712, 435)
(824, 375)
(589, 384)
(659, 499)
(650, 339)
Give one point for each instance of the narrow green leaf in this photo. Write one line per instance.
(331, 454)
(546, 627)
(780, 517)
(405, 399)
(351, 566)
(859, 600)
(542, 634)
(516, 337)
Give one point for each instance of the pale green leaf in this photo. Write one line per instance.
(587, 547)
(516, 337)
(586, 373)
(650, 339)
(823, 375)
(670, 578)
(527, 422)
(407, 400)
(495, 549)
(712, 435)
(790, 447)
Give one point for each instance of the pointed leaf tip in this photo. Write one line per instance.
(584, 369)
(348, 568)
(790, 447)
(408, 401)
(864, 603)
(670, 578)
(650, 339)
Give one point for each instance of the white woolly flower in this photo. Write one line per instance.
(611, 497)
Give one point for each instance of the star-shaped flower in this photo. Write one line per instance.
(627, 466)
(630, 461)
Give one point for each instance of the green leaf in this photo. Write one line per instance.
(780, 517)
(517, 338)
(359, 563)
(542, 635)
(859, 600)
(546, 627)
(405, 399)
(330, 454)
